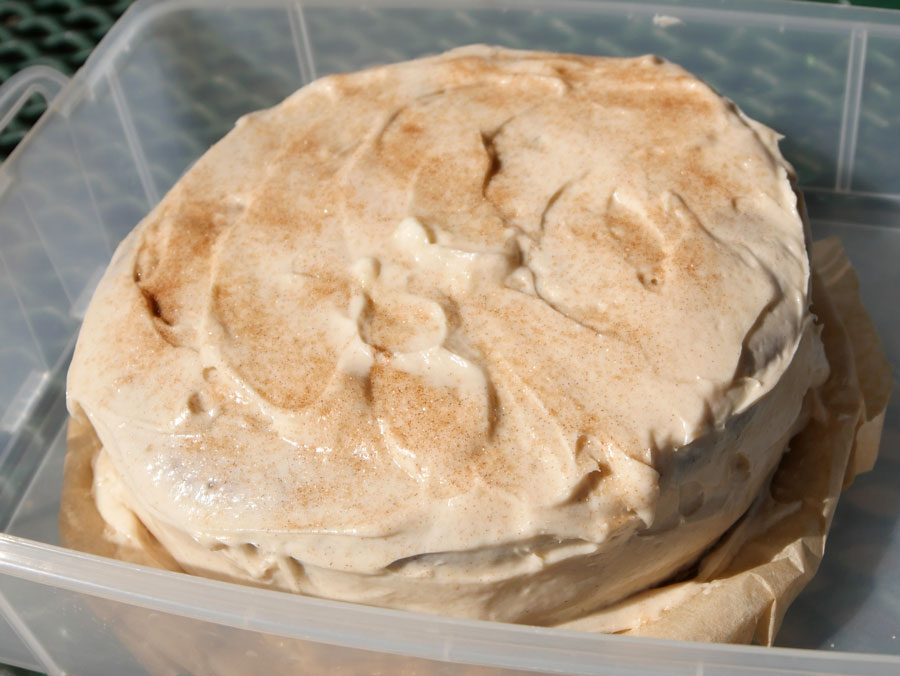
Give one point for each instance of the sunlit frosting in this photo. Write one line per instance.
(495, 333)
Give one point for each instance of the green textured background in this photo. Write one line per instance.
(61, 34)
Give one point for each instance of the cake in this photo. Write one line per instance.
(496, 334)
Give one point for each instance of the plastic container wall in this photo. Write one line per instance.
(170, 79)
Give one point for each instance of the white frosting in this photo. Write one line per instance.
(497, 334)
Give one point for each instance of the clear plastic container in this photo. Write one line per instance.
(171, 78)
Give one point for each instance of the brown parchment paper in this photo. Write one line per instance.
(744, 585)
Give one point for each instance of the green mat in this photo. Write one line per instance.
(62, 33)
(57, 33)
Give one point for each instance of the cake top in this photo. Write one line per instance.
(444, 304)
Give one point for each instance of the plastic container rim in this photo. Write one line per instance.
(394, 631)
(377, 629)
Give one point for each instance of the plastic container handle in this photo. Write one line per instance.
(43, 80)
